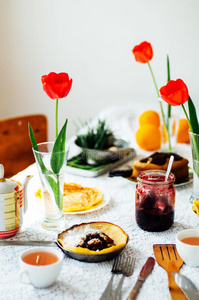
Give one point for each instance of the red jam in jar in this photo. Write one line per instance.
(155, 200)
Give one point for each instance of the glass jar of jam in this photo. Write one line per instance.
(155, 200)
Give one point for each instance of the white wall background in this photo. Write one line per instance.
(92, 41)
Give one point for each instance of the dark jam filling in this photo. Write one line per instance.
(160, 158)
(96, 241)
(154, 222)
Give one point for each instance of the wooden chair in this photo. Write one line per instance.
(15, 146)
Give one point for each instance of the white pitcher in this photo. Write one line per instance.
(13, 204)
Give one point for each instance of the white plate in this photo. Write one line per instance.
(105, 201)
(184, 183)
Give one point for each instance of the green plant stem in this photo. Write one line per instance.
(161, 108)
(56, 119)
(169, 111)
(156, 87)
(168, 69)
(59, 200)
(191, 129)
(168, 79)
(168, 106)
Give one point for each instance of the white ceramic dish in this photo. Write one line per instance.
(189, 253)
(96, 157)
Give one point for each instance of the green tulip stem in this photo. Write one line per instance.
(156, 87)
(191, 129)
(161, 108)
(58, 192)
(56, 119)
(168, 79)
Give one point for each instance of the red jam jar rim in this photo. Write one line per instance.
(156, 177)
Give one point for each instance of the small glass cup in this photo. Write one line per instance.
(155, 200)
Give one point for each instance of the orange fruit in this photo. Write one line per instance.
(183, 133)
(149, 117)
(148, 137)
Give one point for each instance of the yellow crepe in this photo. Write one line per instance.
(78, 198)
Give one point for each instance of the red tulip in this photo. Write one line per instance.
(175, 92)
(56, 85)
(143, 52)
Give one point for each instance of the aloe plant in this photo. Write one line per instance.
(97, 138)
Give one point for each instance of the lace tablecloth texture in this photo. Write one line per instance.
(80, 280)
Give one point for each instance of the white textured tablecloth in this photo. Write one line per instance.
(80, 280)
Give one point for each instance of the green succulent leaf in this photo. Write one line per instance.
(58, 152)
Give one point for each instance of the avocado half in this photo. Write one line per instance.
(70, 238)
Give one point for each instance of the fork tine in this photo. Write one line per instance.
(125, 267)
(132, 266)
(129, 267)
(117, 266)
(115, 263)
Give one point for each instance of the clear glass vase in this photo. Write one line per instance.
(169, 128)
(52, 184)
(194, 139)
(168, 143)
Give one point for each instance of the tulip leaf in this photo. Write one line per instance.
(35, 147)
(57, 158)
(58, 152)
(193, 116)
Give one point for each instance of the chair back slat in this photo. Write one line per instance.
(15, 146)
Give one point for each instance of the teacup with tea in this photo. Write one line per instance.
(187, 244)
(41, 266)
